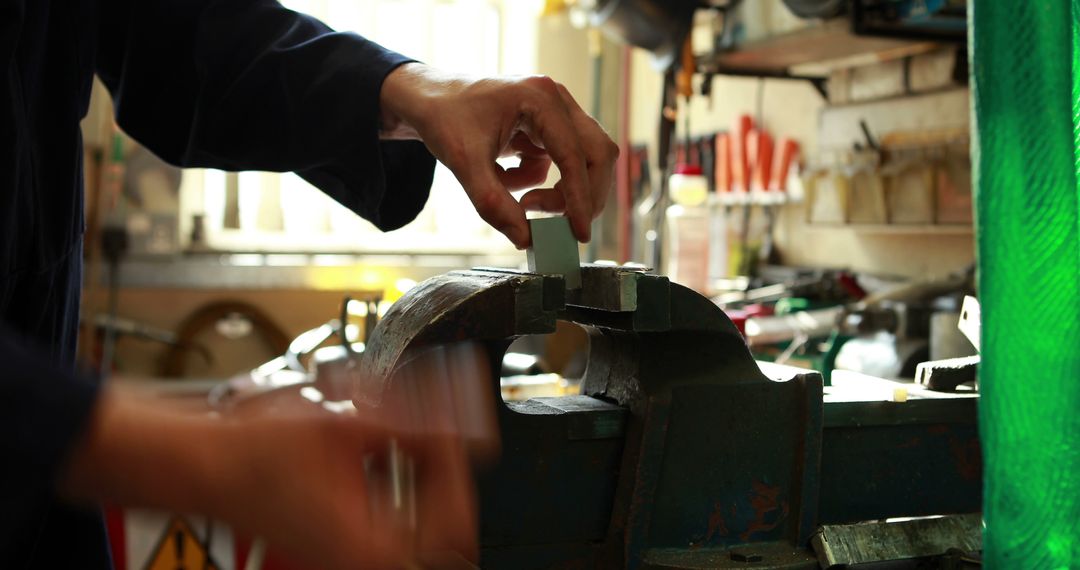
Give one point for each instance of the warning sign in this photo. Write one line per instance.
(180, 549)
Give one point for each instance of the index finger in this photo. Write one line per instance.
(600, 152)
(492, 200)
(548, 121)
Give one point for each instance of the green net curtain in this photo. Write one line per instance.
(1026, 152)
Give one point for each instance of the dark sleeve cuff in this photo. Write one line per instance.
(389, 192)
(386, 182)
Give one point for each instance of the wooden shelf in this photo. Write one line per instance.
(811, 52)
(898, 229)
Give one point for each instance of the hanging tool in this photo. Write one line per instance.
(724, 171)
(741, 156)
(744, 132)
(786, 152)
(763, 159)
(654, 207)
(641, 188)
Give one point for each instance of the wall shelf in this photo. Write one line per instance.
(811, 53)
(898, 229)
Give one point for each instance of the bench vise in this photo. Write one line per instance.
(680, 452)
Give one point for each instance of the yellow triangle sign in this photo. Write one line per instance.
(179, 549)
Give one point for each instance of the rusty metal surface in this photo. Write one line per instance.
(887, 459)
(608, 288)
(452, 307)
(740, 465)
(775, 556)
(876, 472)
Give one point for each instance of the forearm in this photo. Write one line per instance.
(295, 476)
(148, 454)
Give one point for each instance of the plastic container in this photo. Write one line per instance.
(688, 187)
(687, 243)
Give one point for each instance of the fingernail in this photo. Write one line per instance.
(517, 236)
(584, 229)
(523, 237)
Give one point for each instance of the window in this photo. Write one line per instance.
(259, 211)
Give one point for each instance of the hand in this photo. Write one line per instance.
(297, 479)
(300, 483)
(467, 123)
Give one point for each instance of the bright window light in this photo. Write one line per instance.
(282, 212)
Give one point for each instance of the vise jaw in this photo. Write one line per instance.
(678, 453)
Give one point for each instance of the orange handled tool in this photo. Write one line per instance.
(742, 171)
(763, 159)
(724, 170)
(787, 150)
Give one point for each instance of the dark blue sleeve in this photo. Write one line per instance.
(43, 409)
(251, 85)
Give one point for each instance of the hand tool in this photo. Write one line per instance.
(787, 151)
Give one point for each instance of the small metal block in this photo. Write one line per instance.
(554, 250)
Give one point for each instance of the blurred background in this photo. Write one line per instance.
(804, 164)
(787, 159)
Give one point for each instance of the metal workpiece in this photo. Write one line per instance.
(611, 294)
(554, 250)
(679, 453)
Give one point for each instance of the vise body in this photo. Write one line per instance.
(680, 452)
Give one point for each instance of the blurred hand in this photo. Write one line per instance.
(300, 482)
(300, 479)
(467, 123)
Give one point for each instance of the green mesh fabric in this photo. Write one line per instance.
(1026, 152)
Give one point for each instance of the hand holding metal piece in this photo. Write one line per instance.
(468, 123)
(405, 476)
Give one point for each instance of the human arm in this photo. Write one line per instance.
(247, 84)
(250, 85)
(297, 479)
